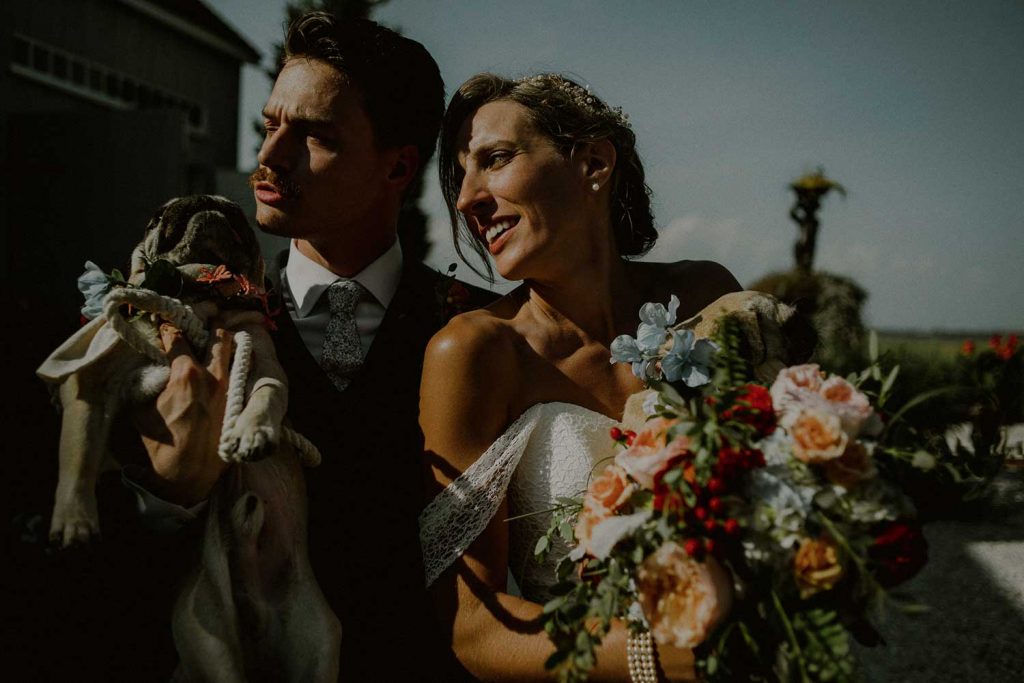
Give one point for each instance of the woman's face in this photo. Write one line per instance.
(522, 198)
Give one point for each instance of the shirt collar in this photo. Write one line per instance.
(308, 280)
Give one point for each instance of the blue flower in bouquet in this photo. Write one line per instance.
(687, 358)
(94, 285)
(655, 320)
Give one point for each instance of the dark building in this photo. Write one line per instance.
(107, 109)
(110, 107)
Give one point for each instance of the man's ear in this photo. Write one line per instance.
(405, 165)
(596, 161)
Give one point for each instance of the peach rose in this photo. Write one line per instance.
(794, 386)
(818, 435)
(852, 467)
(816, 566)
(683, 599)
(851, 405)
(650, 451)
(610, 490)
(588, 518)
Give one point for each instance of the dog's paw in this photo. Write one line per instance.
(258, 442)
(75, 522)
(247, 443)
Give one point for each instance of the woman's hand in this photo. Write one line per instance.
(677, 663)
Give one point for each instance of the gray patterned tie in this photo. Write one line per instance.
(343, 353)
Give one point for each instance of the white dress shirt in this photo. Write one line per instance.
(303, 284)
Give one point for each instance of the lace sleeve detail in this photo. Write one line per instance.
(453, 520)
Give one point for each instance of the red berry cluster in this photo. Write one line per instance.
(713, 530)
(753, 406)
(622, 436)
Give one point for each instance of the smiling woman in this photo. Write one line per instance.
(564, 116)
(516, 400)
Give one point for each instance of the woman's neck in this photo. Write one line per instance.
(597, 298)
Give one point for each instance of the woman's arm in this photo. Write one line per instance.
(470, 378)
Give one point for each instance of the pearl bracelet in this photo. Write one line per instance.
(641, 658)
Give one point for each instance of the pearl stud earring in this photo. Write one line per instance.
(595, 187)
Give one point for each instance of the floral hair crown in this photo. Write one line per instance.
(580, 96)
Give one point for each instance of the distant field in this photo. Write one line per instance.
(938, 345)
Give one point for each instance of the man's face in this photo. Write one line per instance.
(320, 173)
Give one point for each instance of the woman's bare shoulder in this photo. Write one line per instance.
(482, 335)
(470, 377)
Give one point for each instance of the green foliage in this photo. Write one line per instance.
(731, 365)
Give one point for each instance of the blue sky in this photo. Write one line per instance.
(916, 107)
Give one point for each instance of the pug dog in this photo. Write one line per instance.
(775, 335)
(201, 251)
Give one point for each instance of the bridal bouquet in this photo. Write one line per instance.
(747, 521)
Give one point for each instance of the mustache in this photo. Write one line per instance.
(288, 188)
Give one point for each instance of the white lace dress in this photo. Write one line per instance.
(549, 452)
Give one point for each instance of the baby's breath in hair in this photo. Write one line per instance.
(580, 95)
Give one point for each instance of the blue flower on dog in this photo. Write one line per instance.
(94, 285)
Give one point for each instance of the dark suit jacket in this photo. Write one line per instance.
(102, 613)
(365, 496)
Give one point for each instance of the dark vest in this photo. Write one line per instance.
(365, 496)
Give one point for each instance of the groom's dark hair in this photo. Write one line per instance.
(402, 90)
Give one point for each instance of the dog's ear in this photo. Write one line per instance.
(149, 247)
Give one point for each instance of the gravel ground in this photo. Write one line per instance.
(973, 586)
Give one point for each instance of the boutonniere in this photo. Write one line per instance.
(452, 296)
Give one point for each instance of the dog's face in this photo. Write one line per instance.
(200, 231)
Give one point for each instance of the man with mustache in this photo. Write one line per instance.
(350, 124)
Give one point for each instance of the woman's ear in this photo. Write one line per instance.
(596, 161)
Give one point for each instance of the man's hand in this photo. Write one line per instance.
(182, 430)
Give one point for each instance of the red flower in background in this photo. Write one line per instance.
(753, 406)
(899, 552)
(1006, 352)
(967, 348)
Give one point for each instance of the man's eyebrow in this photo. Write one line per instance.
(303, 120)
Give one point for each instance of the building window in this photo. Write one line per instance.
(21, 47)
(40, 58)
(64, 70)
(60, 65)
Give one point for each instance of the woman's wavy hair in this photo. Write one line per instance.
(569, 115)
